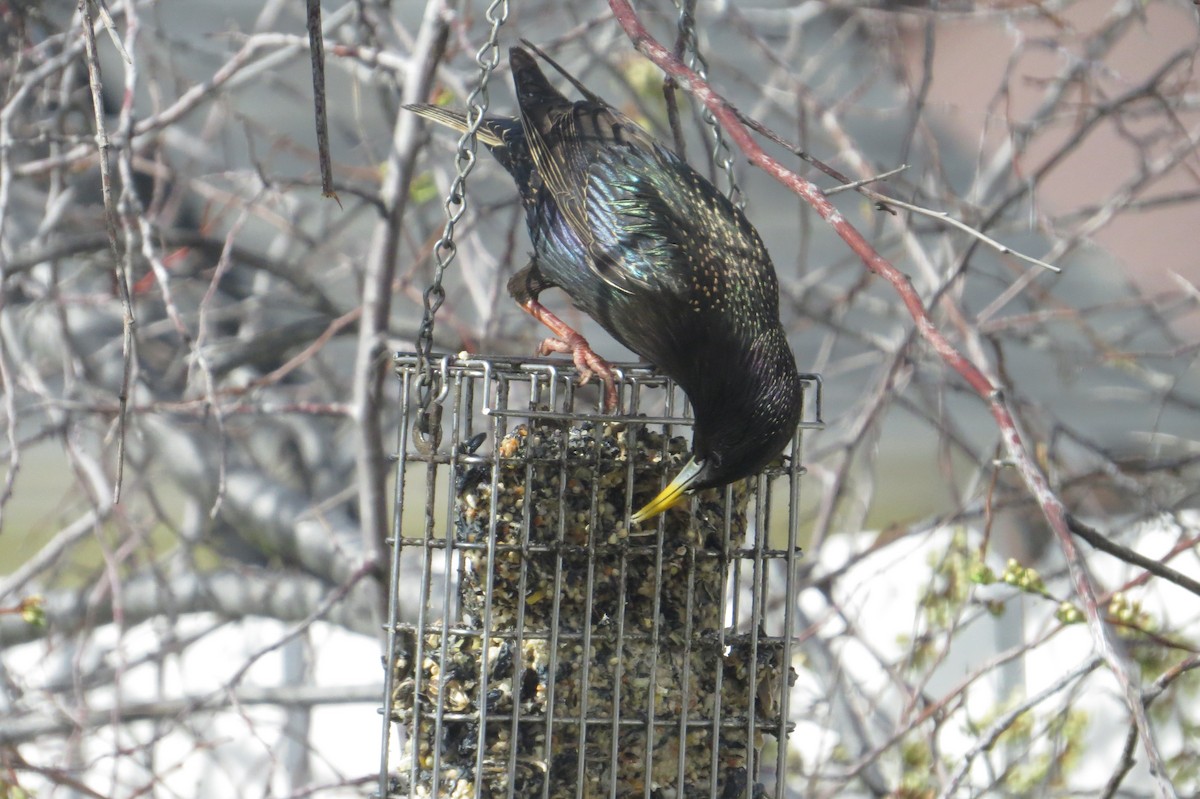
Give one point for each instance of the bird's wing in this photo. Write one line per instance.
(640, 216)
(577, 149)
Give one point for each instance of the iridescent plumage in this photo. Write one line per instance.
(652, 251)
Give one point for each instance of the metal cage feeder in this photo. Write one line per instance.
(540, 645)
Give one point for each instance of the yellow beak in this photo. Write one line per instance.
(673, 494)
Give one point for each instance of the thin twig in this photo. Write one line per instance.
(1125, 764)
(1152, 565)
(120, 275)
(111, 28)
(988, 738)
(886, 201)
(316, 44)
(860, 183)
(943, 216)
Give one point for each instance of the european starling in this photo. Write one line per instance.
(652, 251)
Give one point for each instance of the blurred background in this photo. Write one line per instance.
(251, 453)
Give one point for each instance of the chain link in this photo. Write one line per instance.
(487, 57)
(721, 154)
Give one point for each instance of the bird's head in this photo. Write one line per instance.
(744, 419)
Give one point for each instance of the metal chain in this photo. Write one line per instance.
(487, 57)
(722, 155)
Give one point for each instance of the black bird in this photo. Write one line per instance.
(652, 251)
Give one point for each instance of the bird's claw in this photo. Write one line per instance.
(588, 363)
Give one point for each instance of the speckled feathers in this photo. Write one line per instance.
(654, 253)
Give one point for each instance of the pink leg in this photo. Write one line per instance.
(567, 340)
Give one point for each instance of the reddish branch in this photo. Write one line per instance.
(1052, 507)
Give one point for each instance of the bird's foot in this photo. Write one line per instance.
(587, 362)
(567, 340)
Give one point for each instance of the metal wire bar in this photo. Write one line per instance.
(390, 674)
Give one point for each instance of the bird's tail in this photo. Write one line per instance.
(534, 91)
(490, 131)
(523, 61)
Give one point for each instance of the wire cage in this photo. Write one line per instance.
(542, 646)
